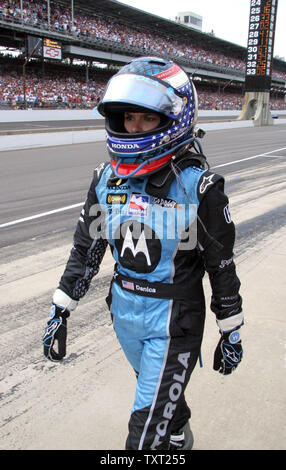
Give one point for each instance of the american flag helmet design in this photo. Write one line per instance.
(148, 83)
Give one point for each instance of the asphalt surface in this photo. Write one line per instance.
(84, 403)
(34, 126)
(37, 181)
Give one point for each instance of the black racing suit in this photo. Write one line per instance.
(162, 250)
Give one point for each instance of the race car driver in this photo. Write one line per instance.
(166, 218)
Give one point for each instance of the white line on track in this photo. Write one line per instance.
(250, 158)
(43, 214)
(80, 204)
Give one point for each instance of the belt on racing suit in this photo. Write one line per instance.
(145, 288)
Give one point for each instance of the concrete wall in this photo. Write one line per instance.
(32, 115)
(70, 115)
(49, 139)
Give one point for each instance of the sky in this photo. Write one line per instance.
(229, 19)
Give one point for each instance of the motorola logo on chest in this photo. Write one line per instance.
(139, 248)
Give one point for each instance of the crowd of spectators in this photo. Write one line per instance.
(229, 100)
(57, 86)
(94, 28)
(211, 99)
(68, 87)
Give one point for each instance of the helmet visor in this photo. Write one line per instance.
(145, 92)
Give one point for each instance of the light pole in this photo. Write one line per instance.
(49, 13)
(24, 69)
(21, 7)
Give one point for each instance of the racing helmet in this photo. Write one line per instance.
(148, 84)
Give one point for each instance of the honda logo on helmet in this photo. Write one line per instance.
(125, 146)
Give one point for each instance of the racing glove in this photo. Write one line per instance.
(56, 330)
(228, 353)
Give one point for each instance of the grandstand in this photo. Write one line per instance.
(67, 50)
